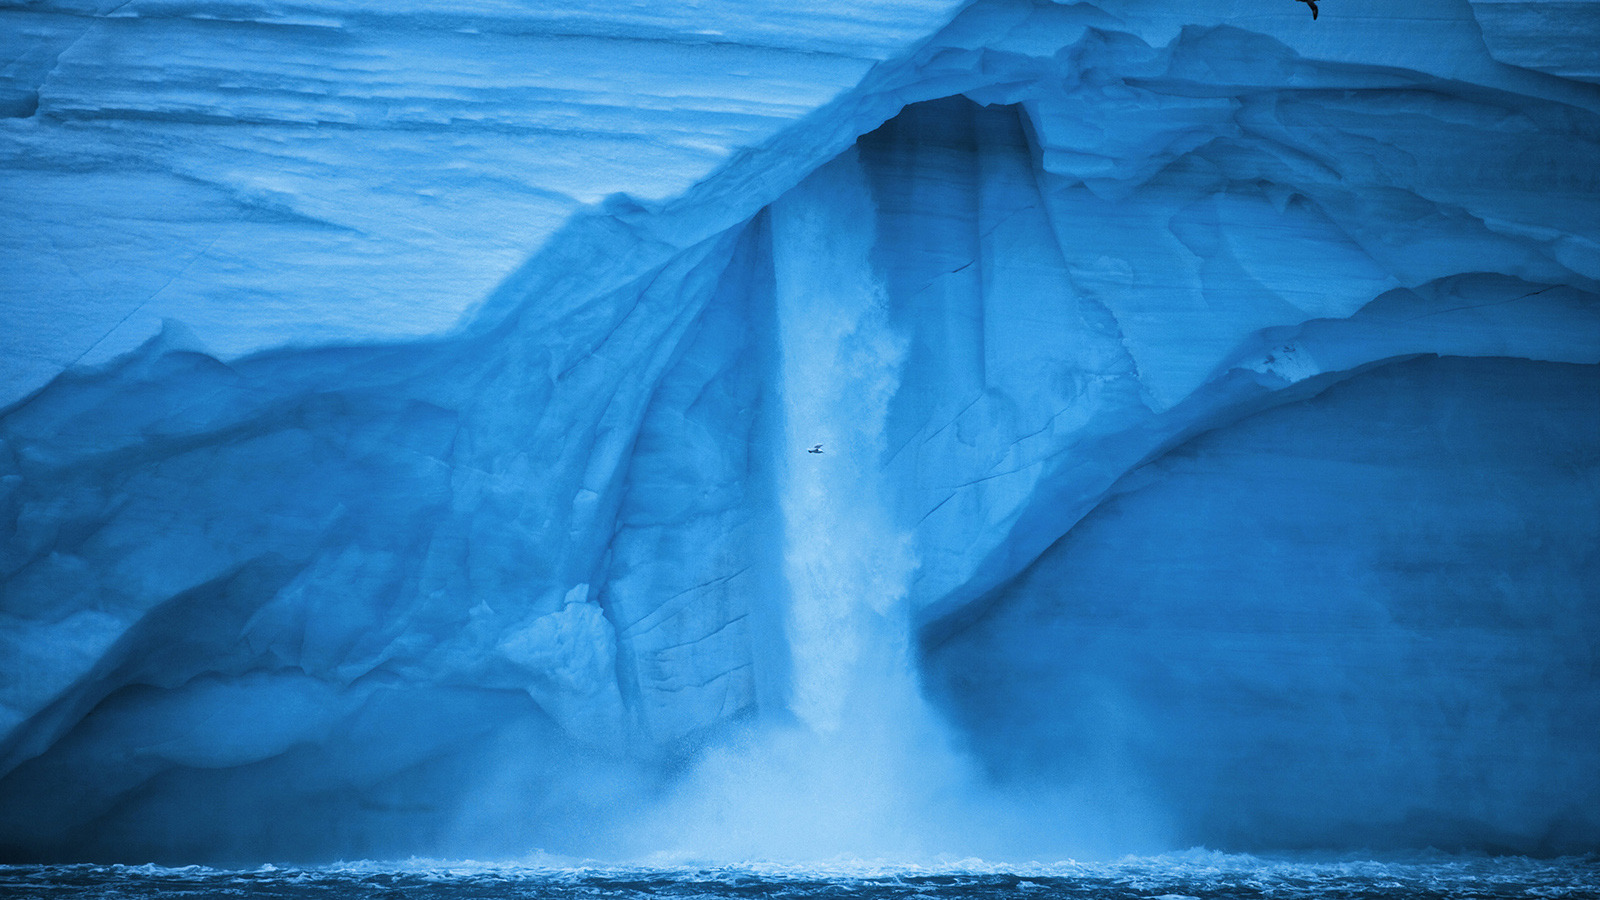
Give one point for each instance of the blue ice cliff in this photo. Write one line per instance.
(405, 413)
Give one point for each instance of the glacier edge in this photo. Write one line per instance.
(1101, 234)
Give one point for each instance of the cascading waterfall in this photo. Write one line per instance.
(846, 563)
(864, 767)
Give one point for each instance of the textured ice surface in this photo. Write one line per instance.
(328, 171)
(1209, 390)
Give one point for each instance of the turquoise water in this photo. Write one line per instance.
(1196, 874)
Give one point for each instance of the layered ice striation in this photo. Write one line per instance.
(1207, 396)
(328, 171)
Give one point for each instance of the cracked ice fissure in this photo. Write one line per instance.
(567, 579)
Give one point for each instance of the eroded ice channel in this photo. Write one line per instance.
(1211, 454)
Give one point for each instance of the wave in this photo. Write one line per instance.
(1197, 873)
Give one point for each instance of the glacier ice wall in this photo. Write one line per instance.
(1207, 402)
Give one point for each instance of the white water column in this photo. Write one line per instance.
(846, 563)
(865, 770)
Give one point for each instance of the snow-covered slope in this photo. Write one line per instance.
(1114, 321)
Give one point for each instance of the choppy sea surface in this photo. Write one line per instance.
(1196, 874)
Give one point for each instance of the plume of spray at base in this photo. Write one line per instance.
(865, 769)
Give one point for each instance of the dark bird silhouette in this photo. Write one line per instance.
(815, 448)
(1313, 5)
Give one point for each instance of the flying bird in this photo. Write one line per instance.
(815, 448)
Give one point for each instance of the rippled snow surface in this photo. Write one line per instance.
(1191, 875)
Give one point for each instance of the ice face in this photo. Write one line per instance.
(1198, 394)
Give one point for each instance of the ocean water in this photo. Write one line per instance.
(1195, 874)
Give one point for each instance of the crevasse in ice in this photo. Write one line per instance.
(405, 448)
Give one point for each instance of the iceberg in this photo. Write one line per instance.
(406, 419)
